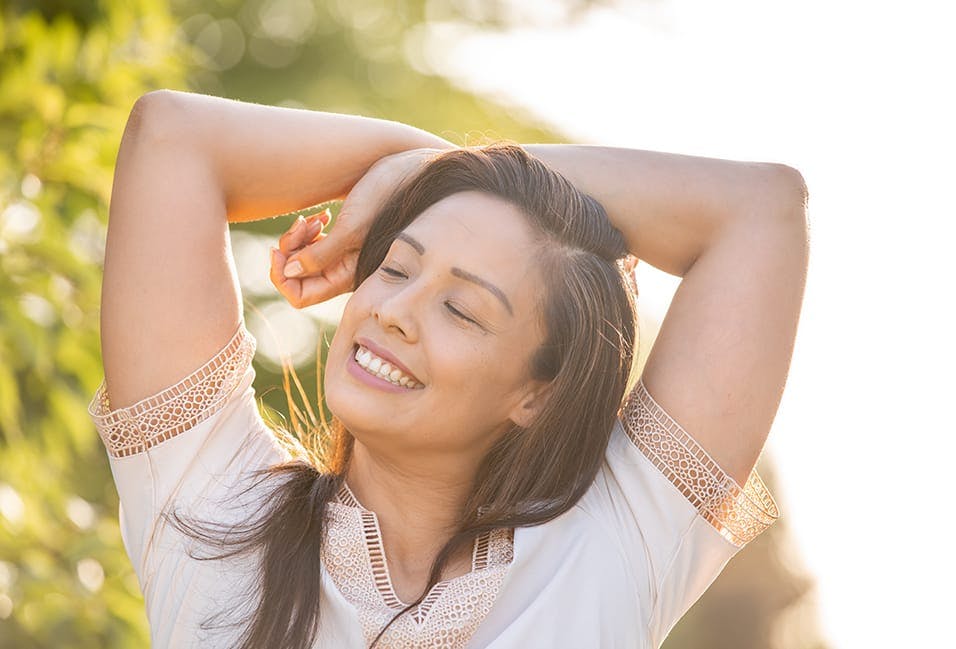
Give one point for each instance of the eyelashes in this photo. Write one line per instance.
(397, 274)
(458, 313)
(392, 272)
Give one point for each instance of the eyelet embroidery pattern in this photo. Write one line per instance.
(740, 515)
(176, 409)
(450, 613)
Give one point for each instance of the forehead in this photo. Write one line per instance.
(481, 218)
(483, 235)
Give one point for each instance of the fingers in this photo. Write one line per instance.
(336, 281)
(303, 231)
(313, 289)
(319, 253)
(290, 289)
(310, 266)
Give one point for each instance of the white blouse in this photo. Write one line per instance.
(618, 569)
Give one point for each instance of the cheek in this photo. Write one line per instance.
(356, 310)
(344, 331)
(335, 364)
(470, 367)
(358, 301)
(340, 347)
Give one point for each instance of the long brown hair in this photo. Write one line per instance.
(530, 475)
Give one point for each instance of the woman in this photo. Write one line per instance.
(486, 482)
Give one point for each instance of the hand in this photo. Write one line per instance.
(327, 261)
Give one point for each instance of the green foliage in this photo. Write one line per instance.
(66, 85)
(69, 73)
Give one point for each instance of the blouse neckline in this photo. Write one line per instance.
(487, 547)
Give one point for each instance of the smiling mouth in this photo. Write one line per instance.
(382, 369)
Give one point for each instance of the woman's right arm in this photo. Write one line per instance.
(188, 165)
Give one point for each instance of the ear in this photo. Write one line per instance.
(531, 403)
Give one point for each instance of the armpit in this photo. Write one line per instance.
(740, 514)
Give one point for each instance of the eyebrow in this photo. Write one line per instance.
(460, 273)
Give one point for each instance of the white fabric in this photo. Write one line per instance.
(617, 570)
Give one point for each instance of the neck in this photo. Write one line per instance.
(416, 501)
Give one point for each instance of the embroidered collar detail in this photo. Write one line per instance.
(452, 609)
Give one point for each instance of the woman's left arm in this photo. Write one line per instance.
(738, 235)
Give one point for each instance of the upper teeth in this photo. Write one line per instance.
(383, 369)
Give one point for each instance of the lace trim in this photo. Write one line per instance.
(421, 611)
(376, 552)
(346, 497)
(483, 556)
(176, 409)
(479, 558)
(450, 613)
(739, 514)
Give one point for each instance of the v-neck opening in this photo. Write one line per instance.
(375, 549)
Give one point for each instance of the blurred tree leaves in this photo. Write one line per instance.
(355, 56)
(68, 76)
(69, 73)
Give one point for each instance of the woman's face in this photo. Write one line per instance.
(453, 309)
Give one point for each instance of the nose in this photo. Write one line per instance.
(396, 311)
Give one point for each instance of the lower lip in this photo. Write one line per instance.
(374, 381)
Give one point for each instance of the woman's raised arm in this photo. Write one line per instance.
(737, 233)
(188, 164)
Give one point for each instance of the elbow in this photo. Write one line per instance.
(151, 115)
(790, 192)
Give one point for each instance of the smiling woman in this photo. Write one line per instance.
(451, 326)
(484, 327)
(484, 462)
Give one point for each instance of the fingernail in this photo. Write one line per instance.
(292, 269)
(325, 216)
(298, 224)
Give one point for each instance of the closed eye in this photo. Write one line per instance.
(459, 314)
(393, 272)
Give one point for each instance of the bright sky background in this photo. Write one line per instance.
(859, 98)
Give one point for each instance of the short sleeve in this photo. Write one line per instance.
(680, 517)
(184, 446)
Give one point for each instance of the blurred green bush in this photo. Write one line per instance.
(67, 81)
(69, 73)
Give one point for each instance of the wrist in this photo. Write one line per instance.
(400, 166)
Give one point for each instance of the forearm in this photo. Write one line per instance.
(266, 160)
(672, 207)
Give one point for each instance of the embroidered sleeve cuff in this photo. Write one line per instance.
(176, 409)
(740, 514)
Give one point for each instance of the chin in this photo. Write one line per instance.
(356, 410)
(336, 393)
